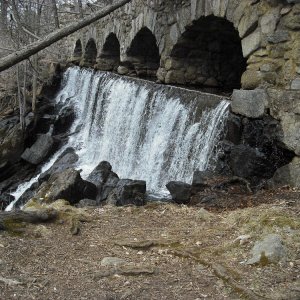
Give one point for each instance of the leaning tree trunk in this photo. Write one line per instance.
(13, 219)
(14, 58)
(54, 7)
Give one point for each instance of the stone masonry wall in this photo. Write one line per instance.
(268, 32)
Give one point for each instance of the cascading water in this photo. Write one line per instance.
(145, 133)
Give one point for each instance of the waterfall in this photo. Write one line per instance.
(146, 131)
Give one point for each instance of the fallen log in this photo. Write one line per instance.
(22, 54)
(15, 219)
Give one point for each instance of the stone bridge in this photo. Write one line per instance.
(219, 44)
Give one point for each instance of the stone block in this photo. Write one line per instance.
(290, 124)
(175, 77)
(248, 23)
(279, 36)
(122, 70)
(269, 21)
(251, 43)
(295, 84)
(283, 101)
(251, 79)
(249, 103)
(292, 20)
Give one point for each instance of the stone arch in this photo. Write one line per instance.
(109, 58)
(209, 54)
(90, 53)
(77, 53)
(143, 53)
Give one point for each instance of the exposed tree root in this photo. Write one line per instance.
(146, 244)
(222, 273)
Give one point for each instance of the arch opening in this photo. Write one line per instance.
(77, 53)
(208, 54)
(109, 58)
(143, 53)
(90, 52)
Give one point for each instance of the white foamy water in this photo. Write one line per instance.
(145, 134)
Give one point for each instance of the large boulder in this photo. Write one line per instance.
(5, 200)
(287, 175)
(269, 250)
(6, 170)
(128, 192)
(104, 179)
(64, 120)
(180, 191)
(250, 103)
(199, 182)
(65, 161)
(248, 162)
(11, 139)
(66, 185)
(27, 195)
(100, 174)
(285, 106)
(40, 150)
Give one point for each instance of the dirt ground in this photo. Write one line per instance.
(168, 251)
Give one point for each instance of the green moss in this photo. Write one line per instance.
(14, 226)
(280, 221)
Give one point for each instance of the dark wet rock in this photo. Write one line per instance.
(200, 179)
(259, 146)
(86, 203)
(6, 170)
(64, 120)
(128, 192)
(107, 187)
(51, 86)
(65, 161)
(100, 174)
(40, 150)
(66, 185)
(5, 200)
(44, 123)
(23, 172)
(180, 191)
(104, 179)
(27, 195)
(11, 139)
(234, 129)
(247, 162)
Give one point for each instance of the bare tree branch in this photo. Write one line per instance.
(18, 56)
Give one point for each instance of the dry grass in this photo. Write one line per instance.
(181, 245)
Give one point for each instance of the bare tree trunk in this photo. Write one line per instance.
(34, 84)
(24, 94)
(3, 20)
(35, 61)
(54, 7)
(20, 99)
(57, 35)
(80, 9)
